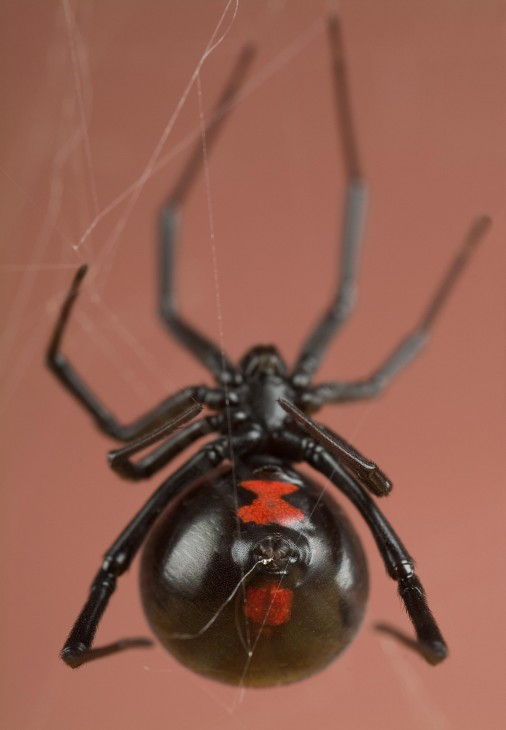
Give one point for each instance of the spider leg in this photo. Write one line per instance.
(354, 217)
(78, 646)
(209, 354)
(396, 558)
(409, 348)
(170, 408)
(120, 459)
(369, 473)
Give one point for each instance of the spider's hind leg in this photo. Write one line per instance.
(396, 558)
(78, 646)
(398, 562)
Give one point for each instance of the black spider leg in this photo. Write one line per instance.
(354, 217)
(120, 459)
(78, 647)
(369, 473)
(396, 558)
(170, 408)
(408, 348)
(209, 354)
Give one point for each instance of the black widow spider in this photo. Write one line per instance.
(255, 576)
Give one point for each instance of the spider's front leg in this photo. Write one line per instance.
(209, 353)
(354, 213)
(409, 348)
(170, 408)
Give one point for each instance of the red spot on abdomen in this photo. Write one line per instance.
(268, 605)
(269, 505)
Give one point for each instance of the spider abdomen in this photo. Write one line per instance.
(254, 581)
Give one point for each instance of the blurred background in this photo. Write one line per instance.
(100, 105)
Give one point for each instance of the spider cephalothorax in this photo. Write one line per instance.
(262, 360)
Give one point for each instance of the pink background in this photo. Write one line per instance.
(87, 90)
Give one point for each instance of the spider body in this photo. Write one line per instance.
(304, 562)
(251, 574)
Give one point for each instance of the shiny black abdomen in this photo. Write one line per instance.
(254, 578)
